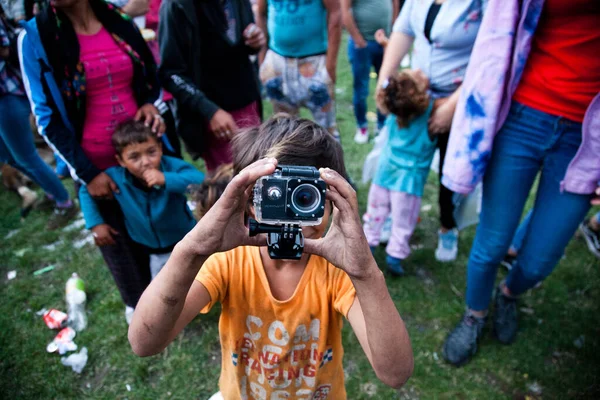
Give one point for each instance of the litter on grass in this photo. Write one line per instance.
(426, 207)
(76, 361)
(44, 270)
(63, 342)
(11, 233)
(52, 246)
(78, 244)
(55, 319)
(21, 252)
(11, 275)
(77, 225)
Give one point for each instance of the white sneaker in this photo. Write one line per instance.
(361, 136)
(447, 248)
(129, 314)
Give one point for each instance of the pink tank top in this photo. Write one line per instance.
(110, 99)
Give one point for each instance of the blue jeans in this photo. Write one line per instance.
(361, 61)
(17, 148)
(530, 141)
(517, 241)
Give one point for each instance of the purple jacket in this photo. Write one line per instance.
(494, 71)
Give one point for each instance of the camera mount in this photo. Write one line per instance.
(284, 241)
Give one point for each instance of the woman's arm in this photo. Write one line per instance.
(441, 116)
(136, 8)
(261, 22)
(174, 47)
(334, 35)
(398, 46)
(350, 24)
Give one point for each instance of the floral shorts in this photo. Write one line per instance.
(292, 83)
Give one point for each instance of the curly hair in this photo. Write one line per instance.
(208, 192)
(404, 98)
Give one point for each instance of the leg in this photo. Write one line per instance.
(361, 66)
(405, 214)
(518, 154)
(445, 195)
(272, 77)
(516, 158)
(320, 91)
(517, 241)
(128, 265)
(555, 218)
(590, 230)
(16, 135)
(378, 208)
(376, 59)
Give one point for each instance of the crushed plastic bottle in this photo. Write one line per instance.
(76, 297)
(76, 361)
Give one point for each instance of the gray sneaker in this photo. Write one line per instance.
(61, 217)
(461, 343)
(505, 317)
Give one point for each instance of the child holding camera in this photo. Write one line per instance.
(403, 166)
(152, 196)
(281, 320)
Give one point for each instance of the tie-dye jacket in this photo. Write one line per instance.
(494, 71)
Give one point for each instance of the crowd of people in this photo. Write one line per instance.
(503, 90)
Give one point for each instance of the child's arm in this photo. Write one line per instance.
(373, 316)
(174, 297)
(181, 175)
(90, 210)
(102, 232)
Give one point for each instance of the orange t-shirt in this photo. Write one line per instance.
(278, 349)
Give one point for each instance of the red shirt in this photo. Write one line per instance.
(562, 74)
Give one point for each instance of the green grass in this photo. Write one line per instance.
(430, 299)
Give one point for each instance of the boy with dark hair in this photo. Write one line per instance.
(152, 196)
(281, 320)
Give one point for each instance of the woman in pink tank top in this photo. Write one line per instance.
(104, 74)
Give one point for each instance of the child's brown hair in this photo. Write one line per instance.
(130, 132)
(292, 141)
(404, 98)
(208, 192)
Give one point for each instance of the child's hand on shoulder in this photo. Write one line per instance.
(154, 177)
(103, 235)
(345, 244)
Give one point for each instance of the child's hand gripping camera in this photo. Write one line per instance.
(292, 197)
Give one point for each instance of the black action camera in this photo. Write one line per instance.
(292, 197)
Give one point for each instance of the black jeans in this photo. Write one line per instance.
(128, 262)
(445, 194)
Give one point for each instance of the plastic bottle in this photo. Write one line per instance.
(75, 296)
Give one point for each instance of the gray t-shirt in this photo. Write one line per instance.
(372, 15)
(444, 60)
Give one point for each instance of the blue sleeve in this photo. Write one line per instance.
(49, 121)
(180, 174)
(89, 208)
(403, 22)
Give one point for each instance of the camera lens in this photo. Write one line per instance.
(306, 198)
